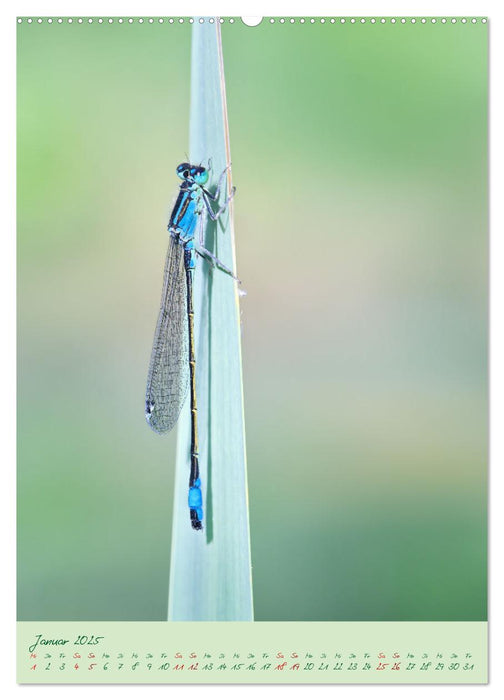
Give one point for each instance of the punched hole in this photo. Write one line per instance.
(251, 21)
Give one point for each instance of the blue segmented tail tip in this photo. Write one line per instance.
(196, 505)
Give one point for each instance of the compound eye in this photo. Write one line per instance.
(183, 171)
(201, 176)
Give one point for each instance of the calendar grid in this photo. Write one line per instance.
(268, 652)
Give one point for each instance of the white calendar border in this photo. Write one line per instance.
(7, 280)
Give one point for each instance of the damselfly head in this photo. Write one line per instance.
(193, 173)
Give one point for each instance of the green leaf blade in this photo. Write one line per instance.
(210, 574)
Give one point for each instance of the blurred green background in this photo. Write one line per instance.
(360, 157)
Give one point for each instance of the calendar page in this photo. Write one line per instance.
(252, 349)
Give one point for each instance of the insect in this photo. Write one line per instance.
(172, 369)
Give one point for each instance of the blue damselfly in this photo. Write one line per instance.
(172, 369)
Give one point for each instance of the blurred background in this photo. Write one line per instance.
(360, 160)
